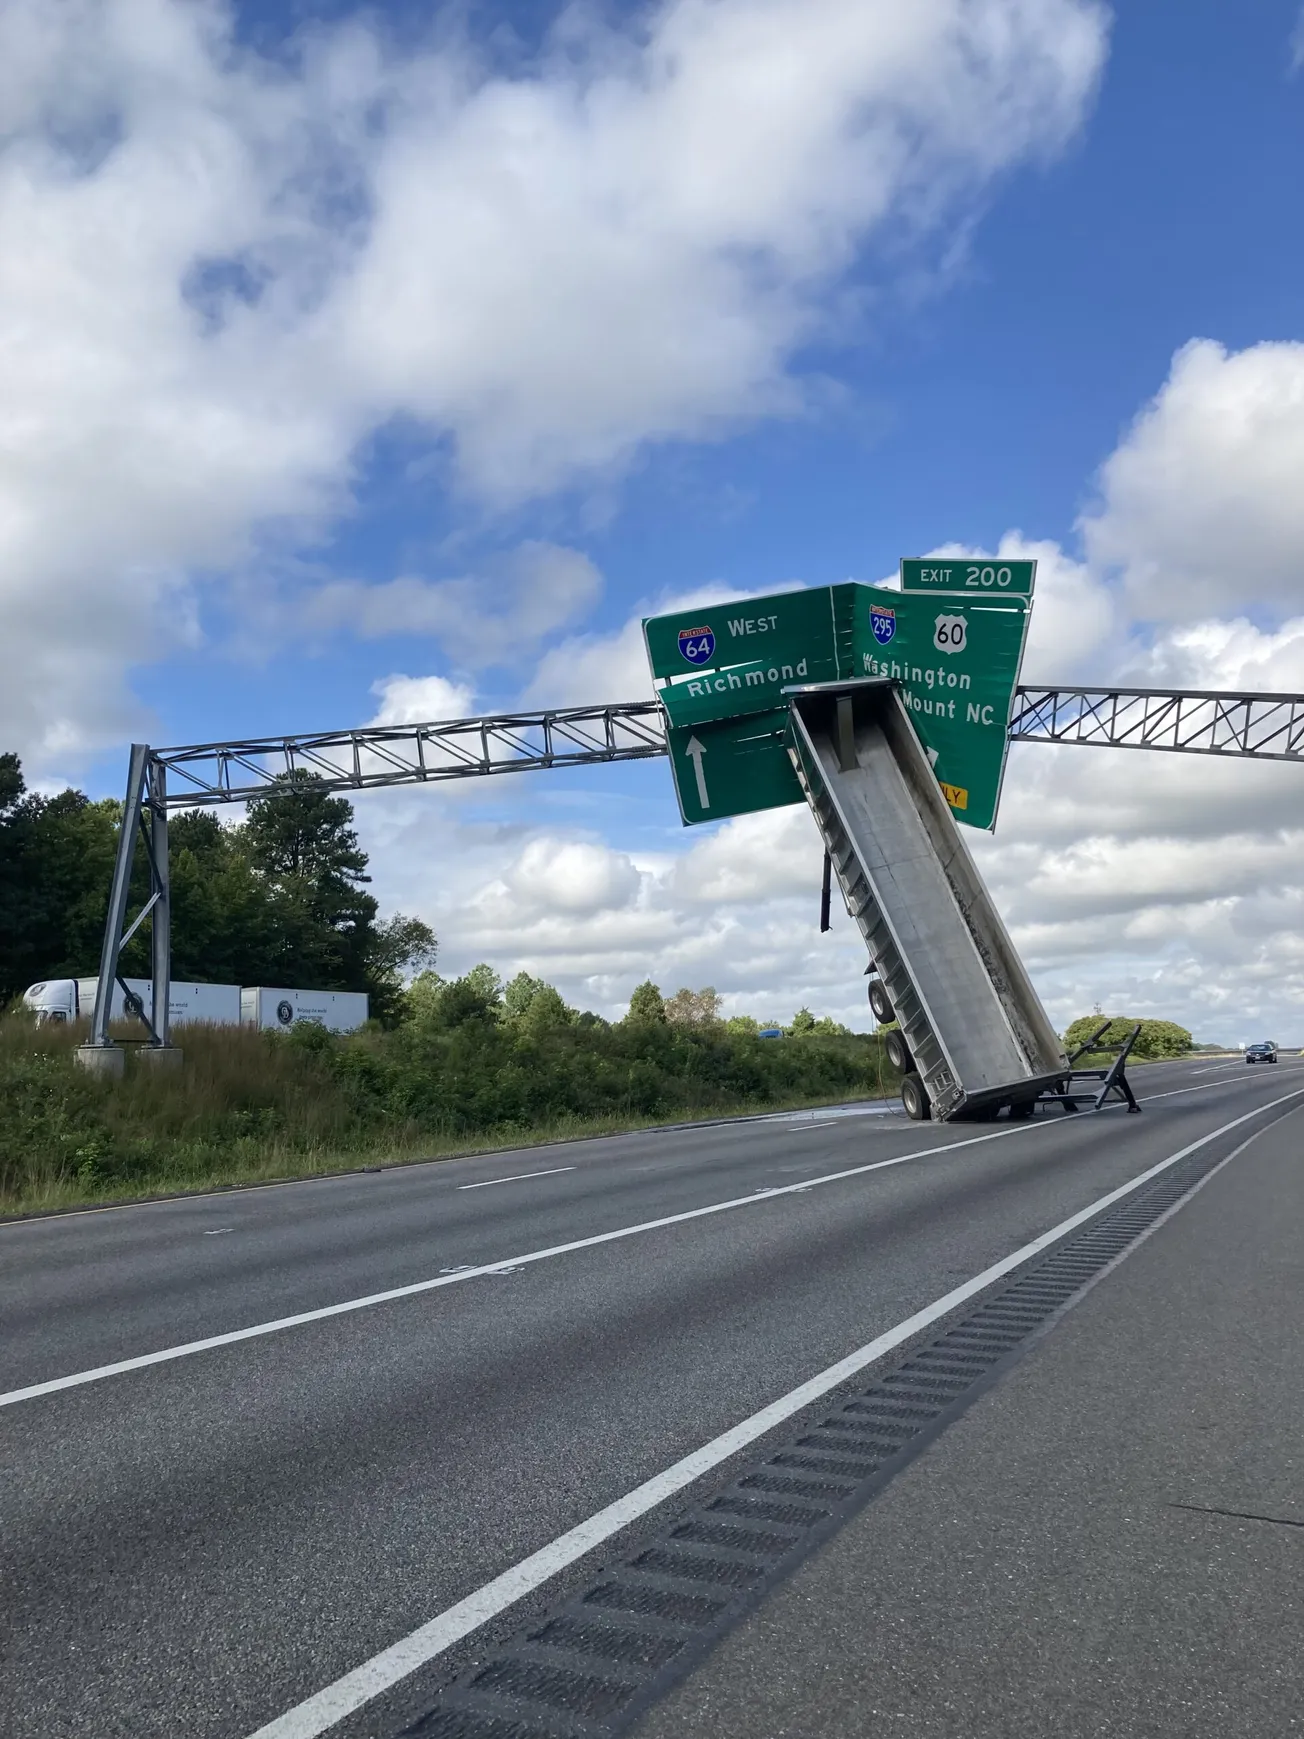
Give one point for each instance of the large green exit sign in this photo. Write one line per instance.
(976, 579)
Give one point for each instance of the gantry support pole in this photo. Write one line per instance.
(119, 893)
(144, 814)
(161, 916)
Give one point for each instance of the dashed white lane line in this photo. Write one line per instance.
(257, 1331)
(506, 1265)
(516, 1177)
(316, 1714)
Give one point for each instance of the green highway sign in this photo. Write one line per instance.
(983, 578)
(742, 688)
(957, 662)
(735, 658)
(732, 766)
(720, 673)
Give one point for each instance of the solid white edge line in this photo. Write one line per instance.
(517, 1177)
(321, 1711)
(504, 1264)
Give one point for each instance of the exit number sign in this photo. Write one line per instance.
(976, 579)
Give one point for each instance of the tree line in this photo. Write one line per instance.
(280, 898)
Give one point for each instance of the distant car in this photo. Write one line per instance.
(1264, 1052)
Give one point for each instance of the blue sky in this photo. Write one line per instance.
(982, 399)
(951, 361)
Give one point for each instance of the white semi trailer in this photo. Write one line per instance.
(72, 999)
(339, 1011)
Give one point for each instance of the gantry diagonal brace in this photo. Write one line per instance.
(144, 815)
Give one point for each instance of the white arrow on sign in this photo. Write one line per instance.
(695, 750)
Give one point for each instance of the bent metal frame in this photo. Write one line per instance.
(1184, 721)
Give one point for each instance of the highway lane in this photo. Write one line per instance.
(80, 1290)
(1108, 1542)
(109, 1283)
(215, 1538)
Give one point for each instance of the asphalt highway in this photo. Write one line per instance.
(207, 1540)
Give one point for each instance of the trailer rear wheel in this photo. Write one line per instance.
(880, 1003)
(915, 1099)
(1022, 1108)
(898, 1052)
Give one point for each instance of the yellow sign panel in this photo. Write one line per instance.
(956, 796)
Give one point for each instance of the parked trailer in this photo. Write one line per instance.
(339, 1011)
(70, 999)
(974, 1036)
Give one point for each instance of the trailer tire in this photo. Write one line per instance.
(898, 1052)
(880, 1003)
(914, 1097)
(1021, 1109)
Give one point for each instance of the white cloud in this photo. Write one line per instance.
(1200, 505)
(629, 247)
(1075, 632)
(1156, 884)
(612, 666)
(415, 700)
(737, 908)
(570, 876)
(497, 616)
(221, 273)
(1227, 655)
(1152, 882)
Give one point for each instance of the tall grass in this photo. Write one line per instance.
(247, 1106)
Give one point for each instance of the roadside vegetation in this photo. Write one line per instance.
(468, 1064)
(445, 1066)
(280, 898)
(1158, 1040)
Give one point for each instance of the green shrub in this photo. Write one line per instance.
(1157, 1038)
(467, 1068)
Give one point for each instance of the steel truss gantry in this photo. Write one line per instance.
(1187, 721)
(418, 754)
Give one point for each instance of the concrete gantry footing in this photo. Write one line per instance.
(102, 1059)
(160, 1056)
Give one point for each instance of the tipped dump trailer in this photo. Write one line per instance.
(976, 1037)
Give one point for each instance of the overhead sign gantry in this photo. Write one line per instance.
(724, 764)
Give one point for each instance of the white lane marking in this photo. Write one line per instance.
(165, 1355)
(723, 1124)
(1180, 1203)
(516, 1177)
(1204, 1087)
(187, 1349)
(217, 1231)
(319, 1712)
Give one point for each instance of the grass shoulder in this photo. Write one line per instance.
(250, 1108)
